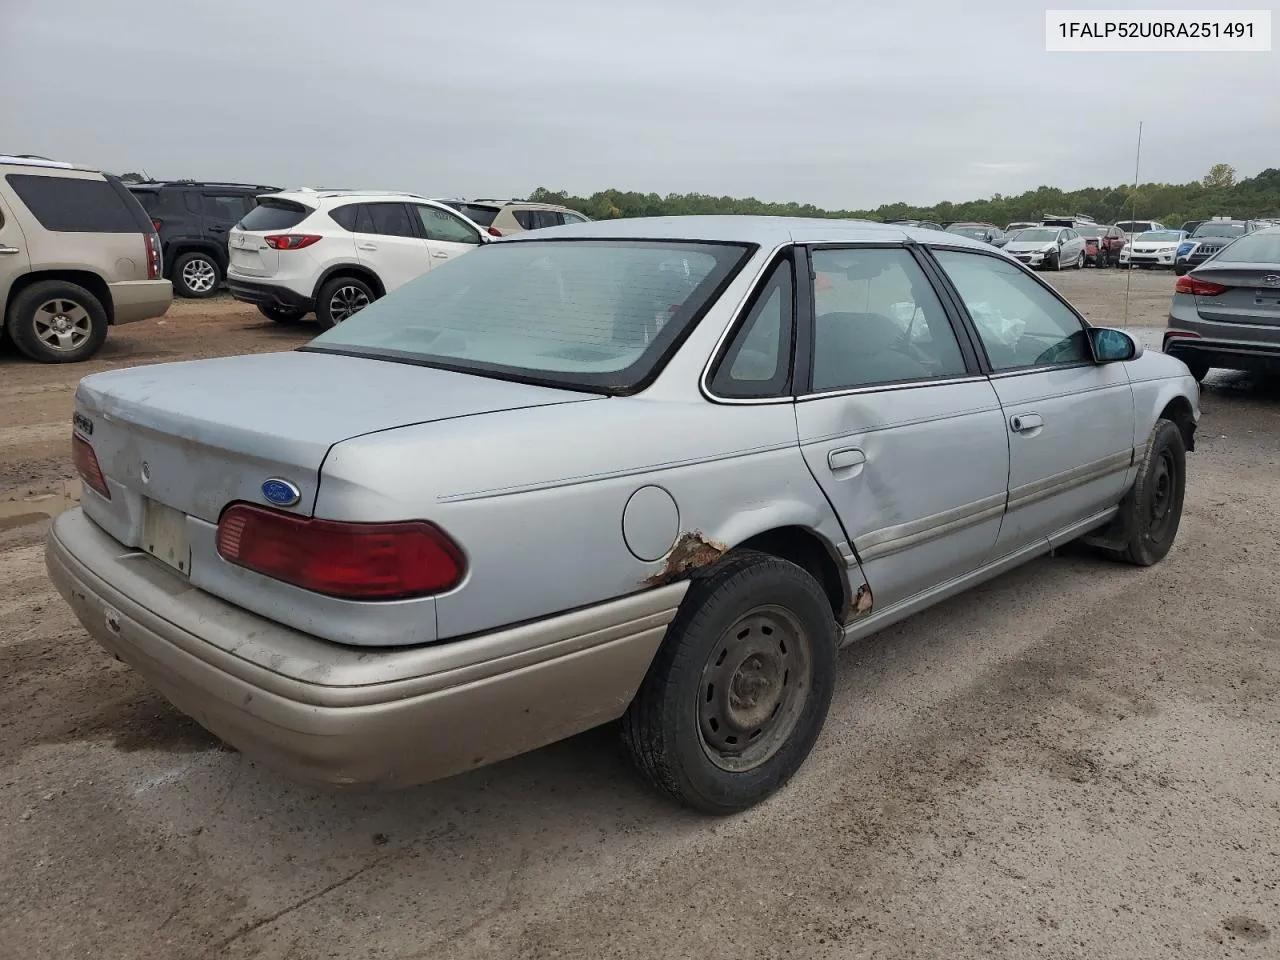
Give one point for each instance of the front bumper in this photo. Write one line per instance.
(1147, 259)
(133, 300)
(324, 713)
(268, 295)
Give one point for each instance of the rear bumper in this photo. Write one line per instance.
(133, 300)
(268, 295)
(323, 713)
(1255, 357)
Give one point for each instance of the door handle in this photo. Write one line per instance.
(440, 255)
(9, 250)
(844, 459)
(1025, 422)
(368, 246)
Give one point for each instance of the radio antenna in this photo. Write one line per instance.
(1133, 215)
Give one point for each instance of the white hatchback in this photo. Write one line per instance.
(336, 251)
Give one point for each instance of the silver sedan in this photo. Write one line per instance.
(650, 470)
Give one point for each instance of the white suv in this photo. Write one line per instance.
(336, 251)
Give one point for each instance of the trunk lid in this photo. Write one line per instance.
(250, 255)
(247, 248)
(1252, 295)
(197, 435)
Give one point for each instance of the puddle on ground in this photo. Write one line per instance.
(24, 511)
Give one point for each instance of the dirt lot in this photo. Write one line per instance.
(1076, 760)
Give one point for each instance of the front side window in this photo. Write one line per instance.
(877, 320)
(758, 361)
(1021, 324)
(441, 225)
(600, 315)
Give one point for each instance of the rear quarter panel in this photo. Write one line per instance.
(536, 497)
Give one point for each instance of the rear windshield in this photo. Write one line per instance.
(272, 213)
(1037, 235)
(600, 315)
(1254, 248)
(476, 213)
(74, 204)
(149, 199)
(1221, 230)
(1134, 226)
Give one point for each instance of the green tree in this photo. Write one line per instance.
(1220, 175)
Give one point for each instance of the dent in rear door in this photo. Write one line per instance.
(906, 442)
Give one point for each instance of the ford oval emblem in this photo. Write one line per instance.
(280, 492)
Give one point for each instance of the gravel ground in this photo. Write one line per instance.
(1076, 760)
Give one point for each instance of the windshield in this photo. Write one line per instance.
(1254, 248)
(1036, 235)
(969, 230)
(595, 314)
(1158, 236)
(1220, 230)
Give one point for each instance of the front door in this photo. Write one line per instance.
(907, 442)
(389, 245)
(1069, 420)
(447, 235)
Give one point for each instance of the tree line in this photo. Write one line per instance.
(1217, 194)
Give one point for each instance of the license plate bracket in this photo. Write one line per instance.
(164, 535)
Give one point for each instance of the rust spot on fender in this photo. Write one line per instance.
(862, 602)
(691, 552)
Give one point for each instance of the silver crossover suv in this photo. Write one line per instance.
(654, 470)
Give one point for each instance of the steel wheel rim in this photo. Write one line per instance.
(753, 689)
(62, 324)
(347, 301)
(1164, 488)
(199, 275)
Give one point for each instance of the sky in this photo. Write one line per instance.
(845, 104)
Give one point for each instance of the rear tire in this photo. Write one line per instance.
(340, 299)
(285, 316)
(1152, 509)
(196, 276)
(53, 321)
(738, 692)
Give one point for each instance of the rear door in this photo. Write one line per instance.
(14, 260)
(446, 235)
(220, 211)
(1069, 422)
(388, 243)
(897, 425)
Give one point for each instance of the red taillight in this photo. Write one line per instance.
(495, 232)
(291, 241)
(154, 265)
(86, 462)
(157, 224)
(354, 561)
(1197, 287)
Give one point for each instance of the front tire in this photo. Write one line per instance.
(196, 276)
(1152, 510)
(340, 299)
(1054, 262)
(738, 692)
(1080, 261)
(53, 321)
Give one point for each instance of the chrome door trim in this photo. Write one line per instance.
(902, 536)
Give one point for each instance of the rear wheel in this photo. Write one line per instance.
(53, 321)
(1152, 510)
(196, 275)
(342, 298)
(281, 315)
(739, 690)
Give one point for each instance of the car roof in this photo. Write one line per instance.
(765, 231)
(316, 198)
(197, 185)
(33, 161)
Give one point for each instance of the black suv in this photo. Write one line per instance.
(1209, 238)
(192, 219)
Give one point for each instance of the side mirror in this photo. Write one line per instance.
(1111, 346)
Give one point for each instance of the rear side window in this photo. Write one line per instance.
(73, 205)
(479, 214)
(345, 217)
(390, 219)
(274, 214)
(227, 206)
(537, 219)
(758, 361)
(148, 198)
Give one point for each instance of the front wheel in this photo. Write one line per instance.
(1152, 510)
(738, 692)
(1054, 262)
(1080, 261)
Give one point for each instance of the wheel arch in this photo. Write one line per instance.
(811, 552)
(1178, 409)
(84, 278)
(355, 270)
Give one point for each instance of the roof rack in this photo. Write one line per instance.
(202, 183)
(31, 160)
